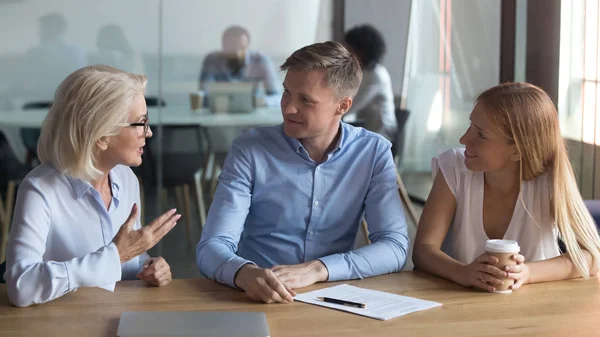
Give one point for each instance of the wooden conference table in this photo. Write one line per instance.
(565, 308)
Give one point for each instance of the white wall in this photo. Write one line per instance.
(190, 29)
(190, 26)
(277, 27)
(18, 22)
(391, 18)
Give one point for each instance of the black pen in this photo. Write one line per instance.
(342, 302)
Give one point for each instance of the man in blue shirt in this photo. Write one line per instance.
(291, 197)
(237, 63)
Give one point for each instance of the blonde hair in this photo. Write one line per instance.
(88, 105)
(526, 115)
(344, 73)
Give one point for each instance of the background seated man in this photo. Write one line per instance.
(291, 196)
(237, 63)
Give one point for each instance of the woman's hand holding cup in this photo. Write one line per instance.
(483, 274)
(518, 272)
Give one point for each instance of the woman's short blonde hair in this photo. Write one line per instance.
(88, 105)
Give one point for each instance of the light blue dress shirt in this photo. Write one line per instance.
(61, 235)
(257, 67)
(275, 205)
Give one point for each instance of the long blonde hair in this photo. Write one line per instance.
(88, 105)
(526, 115)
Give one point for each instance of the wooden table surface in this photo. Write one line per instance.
(566, 308)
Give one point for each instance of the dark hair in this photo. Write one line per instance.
(112, 37)
(343, 69)
(53, 24)
(367, 42)
(235, 31)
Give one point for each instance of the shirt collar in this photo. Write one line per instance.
(115, 181)
(343, 140)
(297, 145)
(80, 186)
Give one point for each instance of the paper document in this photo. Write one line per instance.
(379, 304)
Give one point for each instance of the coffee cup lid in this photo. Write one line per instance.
(502, 246)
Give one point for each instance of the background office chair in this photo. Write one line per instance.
(11, 174)
(181, 167)
(153, 101)
(594, 207)
(30, 135)
(398, 144)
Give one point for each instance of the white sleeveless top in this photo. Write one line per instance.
(466, 236)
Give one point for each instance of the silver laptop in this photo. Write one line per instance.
(230, 97)
(193, 323)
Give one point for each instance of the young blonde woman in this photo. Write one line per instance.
(512, 181)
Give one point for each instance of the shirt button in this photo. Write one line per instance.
(310, 233)
(318, 168)
(317, 203)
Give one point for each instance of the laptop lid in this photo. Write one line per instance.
(231, 97)
(193, 323)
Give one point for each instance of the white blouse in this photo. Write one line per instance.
(61, 235)
(466, 236)
(373, 104)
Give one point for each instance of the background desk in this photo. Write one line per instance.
(172, 115)
(566, 308)
(11, 121)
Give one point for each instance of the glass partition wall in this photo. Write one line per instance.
(171, 43)
(453, 54)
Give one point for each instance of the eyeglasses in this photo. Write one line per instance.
(145, 124)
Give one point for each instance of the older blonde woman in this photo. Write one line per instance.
(76, 220)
